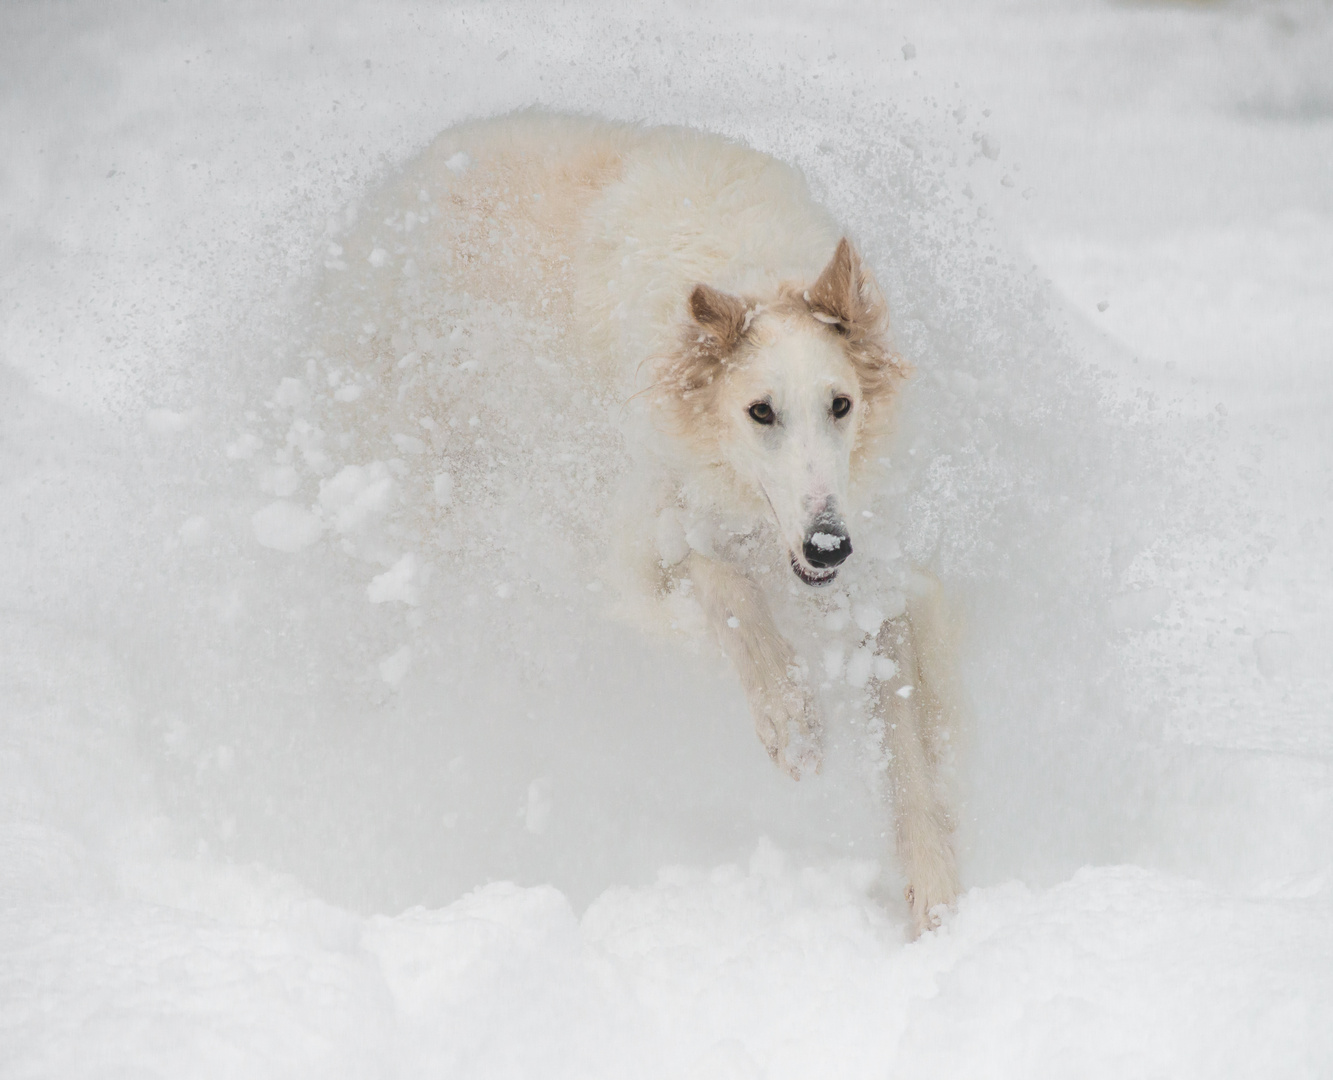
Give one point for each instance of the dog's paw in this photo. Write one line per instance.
(926, 915)
(788, 726)
(931, 891)
(802, 757)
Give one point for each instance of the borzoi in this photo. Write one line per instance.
(706, 286)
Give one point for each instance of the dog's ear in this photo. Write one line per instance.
(718, 321)
(723, 317)
(842, 296)
(846, 297)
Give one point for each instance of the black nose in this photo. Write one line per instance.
(827, 544)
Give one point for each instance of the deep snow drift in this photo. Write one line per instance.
(319, 753)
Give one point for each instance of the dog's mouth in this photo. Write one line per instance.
(810, 575)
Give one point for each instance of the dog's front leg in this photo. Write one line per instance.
(911, 709)
(784, 717)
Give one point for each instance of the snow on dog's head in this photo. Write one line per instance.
(786, 393)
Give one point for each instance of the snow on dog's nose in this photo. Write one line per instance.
(825, 548)
(826, 544)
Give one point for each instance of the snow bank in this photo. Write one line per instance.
(771, 970)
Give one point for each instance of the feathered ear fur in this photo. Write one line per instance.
(846, 299)
(723, 317)
(715, 330)
(842, 296)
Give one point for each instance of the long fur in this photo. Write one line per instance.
(703, 282)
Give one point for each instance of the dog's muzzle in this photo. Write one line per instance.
(826, 547)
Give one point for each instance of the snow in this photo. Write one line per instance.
(869, 617)
(860, 666)
(826, 541)
(283, 526)
(399, 582)
(357, 496)
(320, 753)
(393, 668)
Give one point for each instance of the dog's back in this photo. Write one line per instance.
(607, 226)
(690, 207)
(506, 201)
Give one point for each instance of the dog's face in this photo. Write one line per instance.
(785, 393)
(788, 421)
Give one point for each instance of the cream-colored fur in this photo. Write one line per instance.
(709, 290)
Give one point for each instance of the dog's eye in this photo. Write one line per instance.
(761, 412)
(841, 407)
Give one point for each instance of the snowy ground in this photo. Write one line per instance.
(325, 812)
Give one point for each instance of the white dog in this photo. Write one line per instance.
(704, 285)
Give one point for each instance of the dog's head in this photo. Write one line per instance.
(786, 392)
